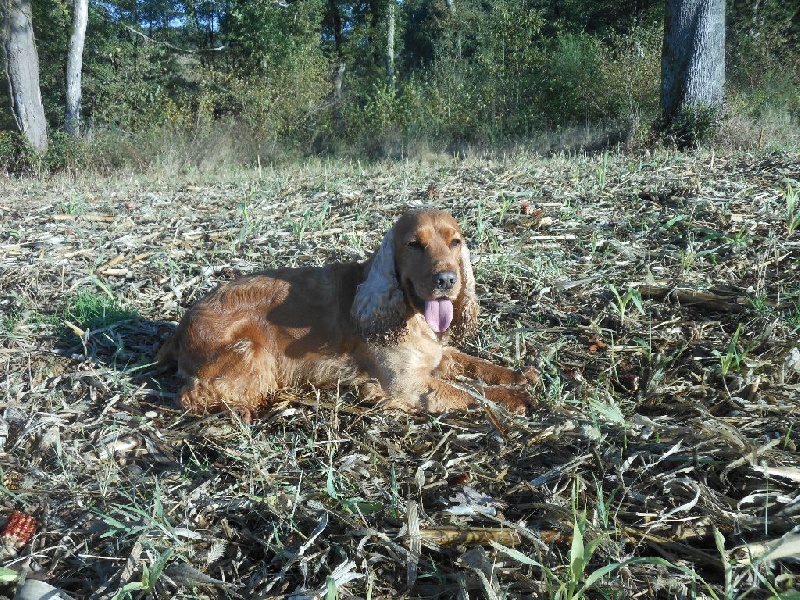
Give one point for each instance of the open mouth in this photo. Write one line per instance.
(438, 312)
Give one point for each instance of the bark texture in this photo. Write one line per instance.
(22, 64)
(390, 46)
(75, 67)
(693, 57)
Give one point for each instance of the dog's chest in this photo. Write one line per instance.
(426, 344)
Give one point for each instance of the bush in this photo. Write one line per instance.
(15, 155)
(18, 158)
(692, 126)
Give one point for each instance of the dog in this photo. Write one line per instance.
(384, 324)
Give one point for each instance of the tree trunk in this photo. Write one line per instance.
(75, 68)
(338, 117)
(692, 66)
(23, 72)
(390, 46)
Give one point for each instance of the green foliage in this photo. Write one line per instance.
(792, 197)
(576, 583)
(734, 358)
(8, 575)
(621, 301)
(148, 579)
(15, 155)
(133, 86)
(257, 78)
(692, 126)
(576, 90)
(483, 79)
(764, 52)
(62, 153)
(51, 23)
(90, 310)
(279, 76)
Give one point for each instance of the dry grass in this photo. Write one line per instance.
(659, 295)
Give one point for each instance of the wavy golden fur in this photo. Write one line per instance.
(383, 323)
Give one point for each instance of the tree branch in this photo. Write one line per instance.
(167, 44)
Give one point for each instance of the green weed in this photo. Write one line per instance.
(74, 206)
(90, 311)
(246, 230)
(505, 204)
(8, 575)
(602, 171)
(320, 221)
(792, 208)
(736, 240)
(482, 224)
(793, 317)
(152, 528)
(576, 583)
(621, 301)
(10, 320)
(300, 226)
(687, 258)
(733, 359)
(761, 306)
(149, 577)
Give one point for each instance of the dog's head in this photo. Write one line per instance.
(422, 266)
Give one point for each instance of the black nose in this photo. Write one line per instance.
(445, 280)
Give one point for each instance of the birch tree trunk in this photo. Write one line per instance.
(338, 117)
(390, 73)
(22, 70)
(692, 66)
(72, 123)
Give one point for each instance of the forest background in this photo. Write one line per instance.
(241, 82)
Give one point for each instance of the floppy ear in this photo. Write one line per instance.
(379, 306)
(465, 315)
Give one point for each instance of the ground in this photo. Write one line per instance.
(659, 295)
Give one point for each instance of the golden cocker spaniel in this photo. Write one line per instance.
(383, 323)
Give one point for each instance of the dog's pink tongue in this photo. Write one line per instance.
(439, 314)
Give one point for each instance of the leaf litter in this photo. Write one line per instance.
(659, 295)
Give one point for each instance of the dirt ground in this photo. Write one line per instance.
(659, 295)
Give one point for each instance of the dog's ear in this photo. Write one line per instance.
(465, 315)
(379, 305)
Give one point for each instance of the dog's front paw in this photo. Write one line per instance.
(531, 375)
(516, 400)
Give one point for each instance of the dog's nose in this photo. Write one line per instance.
(445, 280)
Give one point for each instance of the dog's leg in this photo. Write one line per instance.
(455, 363)
(439, 396)
(240, 377)
(442, 396)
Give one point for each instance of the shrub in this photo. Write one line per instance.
(692, 126)
(15, 154)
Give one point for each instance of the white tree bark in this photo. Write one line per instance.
(693, 56)
(390, 74)
(338, 117)
(75, 67)
(22, 70)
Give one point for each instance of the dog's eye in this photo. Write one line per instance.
(455, 243)
(416, 244)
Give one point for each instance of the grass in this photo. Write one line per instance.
(792, 208)
(653, 411)
(621, 302)
(733, 359)
(89, 311)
